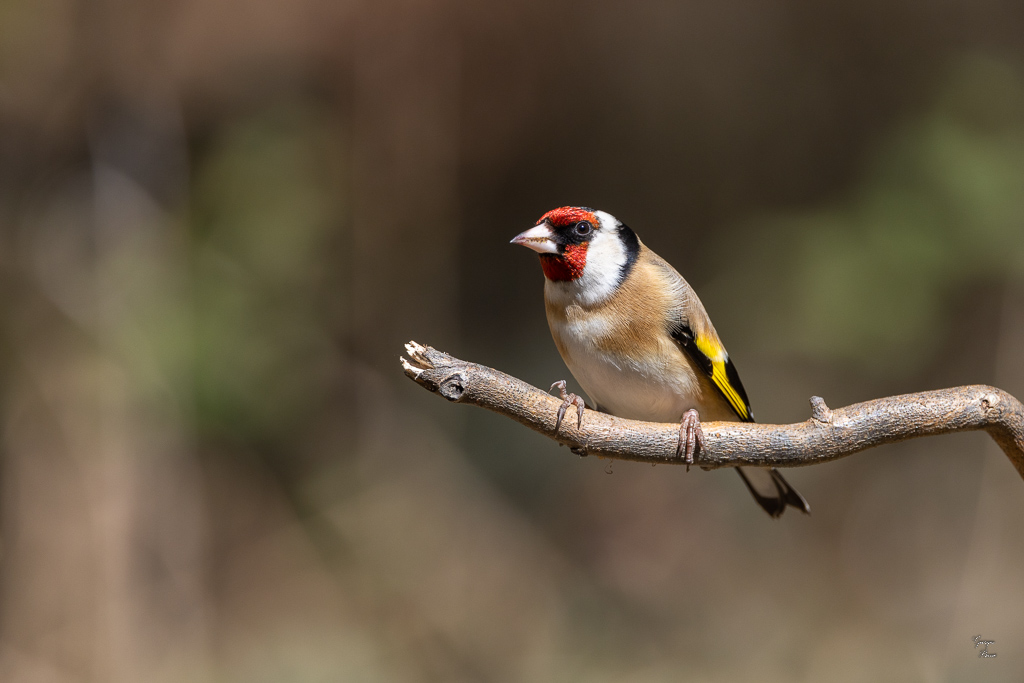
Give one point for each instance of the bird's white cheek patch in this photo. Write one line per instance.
(605, 259)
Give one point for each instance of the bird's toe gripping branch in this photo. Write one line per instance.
(691, 437)
(568, 399)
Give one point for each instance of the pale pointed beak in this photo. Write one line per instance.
(540, 238)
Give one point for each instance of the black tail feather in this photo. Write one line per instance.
(790, 494)
(786, 495)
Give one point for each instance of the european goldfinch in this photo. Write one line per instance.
(637, 339)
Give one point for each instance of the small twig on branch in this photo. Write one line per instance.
(827, 435)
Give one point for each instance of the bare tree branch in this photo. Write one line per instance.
(827, 435)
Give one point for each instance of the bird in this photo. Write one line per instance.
(637, 338)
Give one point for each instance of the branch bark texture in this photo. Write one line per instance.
(827, 435)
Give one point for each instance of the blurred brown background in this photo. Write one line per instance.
(219, 221)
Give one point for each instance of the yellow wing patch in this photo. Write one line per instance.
(721, 380)
(711, 358)
(719, 375)
(711, 349)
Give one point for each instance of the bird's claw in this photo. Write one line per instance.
(691, 438)
(568, 400)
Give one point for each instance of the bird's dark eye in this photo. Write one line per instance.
(583, 228)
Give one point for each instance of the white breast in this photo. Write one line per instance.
(657, 387)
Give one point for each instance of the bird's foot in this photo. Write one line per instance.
(568, 400)
(691, 437)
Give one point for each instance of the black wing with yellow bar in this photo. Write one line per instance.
(716, 364)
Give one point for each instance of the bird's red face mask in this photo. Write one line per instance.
(561, 237)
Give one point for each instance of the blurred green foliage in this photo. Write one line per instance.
(939, 207)
(265, 204)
